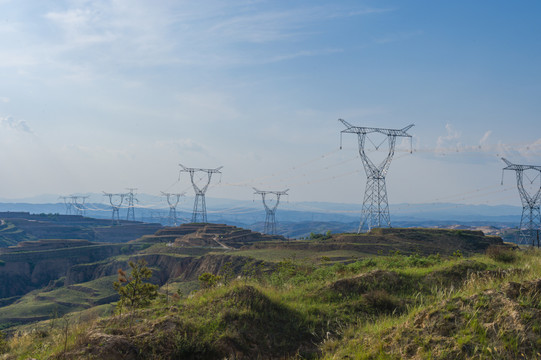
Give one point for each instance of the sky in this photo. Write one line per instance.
(107, 95)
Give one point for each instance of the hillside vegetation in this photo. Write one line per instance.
(395, 306)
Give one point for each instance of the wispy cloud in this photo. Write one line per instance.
(449, 140)
(145, 33)
(13, 124)
(453, 143)
(484, 139)
(526, 151)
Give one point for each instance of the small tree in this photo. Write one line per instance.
(134, 292)
(208, 280)
(227, 272)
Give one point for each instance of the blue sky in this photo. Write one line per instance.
(104, 95)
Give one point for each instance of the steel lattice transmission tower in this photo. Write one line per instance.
(270, 218)
(115, 205)
(530, 222)
(375, 212)
(172, 200)
(131, 203)
(199, 206)
(67, 203)
(79, 206)
(73, 205)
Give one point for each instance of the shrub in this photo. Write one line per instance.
(253, 269)
(326, 236)
(3, 343)
(417, 260)
(208, 280)
(501, 254)
(381, 301)
(227, 272)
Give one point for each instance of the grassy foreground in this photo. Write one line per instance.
(392, 307)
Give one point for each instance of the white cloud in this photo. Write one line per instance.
(4, 99)
(452, 144)
(13, 124)
(484, 139)
(144, 33)
(525, 151)
(449, 140)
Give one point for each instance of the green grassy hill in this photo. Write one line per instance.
(306, 298)
(57, 300)
(380, 307)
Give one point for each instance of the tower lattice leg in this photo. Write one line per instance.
(530, 223)
(375, 212)
(199, 209)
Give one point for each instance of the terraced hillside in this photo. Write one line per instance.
(10, 234)
(210, 235)
(379, 307)
(21, 226)
(59, 269)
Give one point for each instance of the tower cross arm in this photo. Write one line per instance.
(187, 169)
(367, 130)
(260, 192)
(517, 167)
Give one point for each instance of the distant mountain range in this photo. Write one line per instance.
(251, 214)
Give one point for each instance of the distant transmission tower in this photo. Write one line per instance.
(270, 218)
(530, 222)
(78, 205)
(115, 205)
(172, 200)
(131, 203)
(199, 207)
(67, 203)
(375, 212)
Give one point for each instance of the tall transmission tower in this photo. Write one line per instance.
(270, 218)
(78, 205)
(74, 205)
(67, 203)
(116, 201)
(172, 200)
(375, 212)
(199, 206)
(131, 203)
(530, 222)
